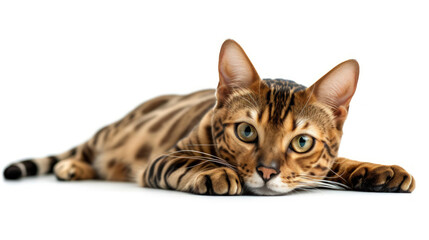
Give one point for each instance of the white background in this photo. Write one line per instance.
(69, 67)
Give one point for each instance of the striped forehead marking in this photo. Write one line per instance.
(280, 98)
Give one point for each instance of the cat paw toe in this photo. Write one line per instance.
(401, 181)
(223, 181)
(382, 179)
(71, 170)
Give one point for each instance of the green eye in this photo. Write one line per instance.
(302, 143)
(246, 132)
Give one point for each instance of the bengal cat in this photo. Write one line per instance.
(264, 137)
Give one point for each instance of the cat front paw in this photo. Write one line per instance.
(219, 181)
(380, 178)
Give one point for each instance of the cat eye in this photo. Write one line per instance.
(302, 143)
(246, 132)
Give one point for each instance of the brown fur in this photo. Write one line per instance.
(189, 143)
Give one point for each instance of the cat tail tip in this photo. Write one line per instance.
(21, 169)
(35, 166)
(30, 167)
(12, 172)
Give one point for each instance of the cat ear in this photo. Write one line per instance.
(235, 70)
(337, 87)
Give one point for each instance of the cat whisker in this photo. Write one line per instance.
(325, 183)
(336, 174)
(199, 152)
(238, 90)
(251, 104)
(254, 100)
(308, 100)
(320, 180)
(203, 144)
(317, 177)
(203, 159)
(206, 156)
(316, 185)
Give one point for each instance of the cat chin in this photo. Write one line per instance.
(272, 187)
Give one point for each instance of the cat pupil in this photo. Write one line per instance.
(247, 131)
(302, 142)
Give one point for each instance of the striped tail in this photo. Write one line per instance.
(36, 166)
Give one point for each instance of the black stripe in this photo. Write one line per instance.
(156, 126)
(73, 152)
(328, 150)
(12, 172)
(54, 160)
(335, 146)
(172, 168)
(144, 152)
(159, 172)
(117, 124)
(219, 133)
(151, 170)
(291, 103)
(106, 134)
(172, 129)
(86, 154)
(209, 133)
(318, 166)
(227, 180)
(267, 100)
(213, 151)
(217, 126)
(188, 168)
(305, 125)
(146, 183)
(98, 135)
(209, 185)
(225, 150)
(309, 157)
(30, 167)
(293, 124)
(268, 96)
(140, 124)
(229, 149)
(131, 116)
(201, 109)
(152, 105)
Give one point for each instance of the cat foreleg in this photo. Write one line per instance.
(364, 176)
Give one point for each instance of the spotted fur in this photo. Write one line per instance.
(190, 143)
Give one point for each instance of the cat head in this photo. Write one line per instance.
(278, 134)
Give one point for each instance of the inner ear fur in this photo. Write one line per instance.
(336, 88)
(236, 71)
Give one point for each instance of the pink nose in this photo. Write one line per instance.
(267, 173)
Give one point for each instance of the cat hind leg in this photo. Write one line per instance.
(73, 169)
